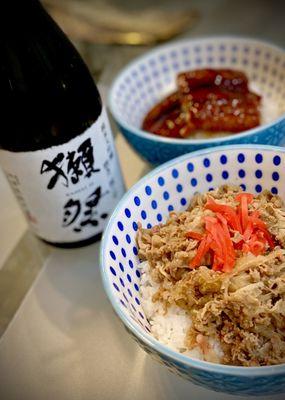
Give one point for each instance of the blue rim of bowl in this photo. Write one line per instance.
(150, 136)
(147, 338)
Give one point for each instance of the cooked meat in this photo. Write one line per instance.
(272, 212)
(216, 110)
(210, 100)
(220, 78)
(243, 309)
(167, 248)
(218, 100)
(167, 119)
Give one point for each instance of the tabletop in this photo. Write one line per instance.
(59, 337)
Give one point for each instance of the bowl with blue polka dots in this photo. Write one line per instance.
(151, 77)
(170, 187)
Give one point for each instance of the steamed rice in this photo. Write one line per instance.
(170, 327)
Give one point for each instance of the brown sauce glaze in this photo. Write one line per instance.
(207, 100)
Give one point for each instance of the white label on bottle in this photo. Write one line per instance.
(67, 192)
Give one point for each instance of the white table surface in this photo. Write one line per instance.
(65, 341)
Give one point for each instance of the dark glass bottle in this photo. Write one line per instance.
(57, 148)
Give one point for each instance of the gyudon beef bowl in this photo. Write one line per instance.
(193, 262)
(194, 94)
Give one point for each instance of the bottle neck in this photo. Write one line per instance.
(21, 16)
(20, 7)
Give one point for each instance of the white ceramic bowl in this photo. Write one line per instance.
(149, 78)
(169, 187)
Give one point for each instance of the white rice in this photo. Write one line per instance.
(269, 107)
(170, 328)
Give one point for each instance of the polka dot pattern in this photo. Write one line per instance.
(171, 188)
(127, 212)
(225, 174)
(115, 240)
(137, 201)
(258, 188)
(175, 173)
(166, 195)
(276, 160)
(259, 158)
(144, 82)
(241, 158)
(206, 162)
(148, 190)
(209, 177)
(194, 182)
(241, 173)
(190, 167)
(179, 188)
(143, 214)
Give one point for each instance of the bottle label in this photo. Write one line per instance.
(67, 192)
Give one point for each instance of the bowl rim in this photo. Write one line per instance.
(147, 338)
(156, 138)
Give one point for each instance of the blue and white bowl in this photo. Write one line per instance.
(169, 187)
(151, 77)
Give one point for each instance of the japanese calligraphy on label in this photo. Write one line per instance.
(67, 192)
